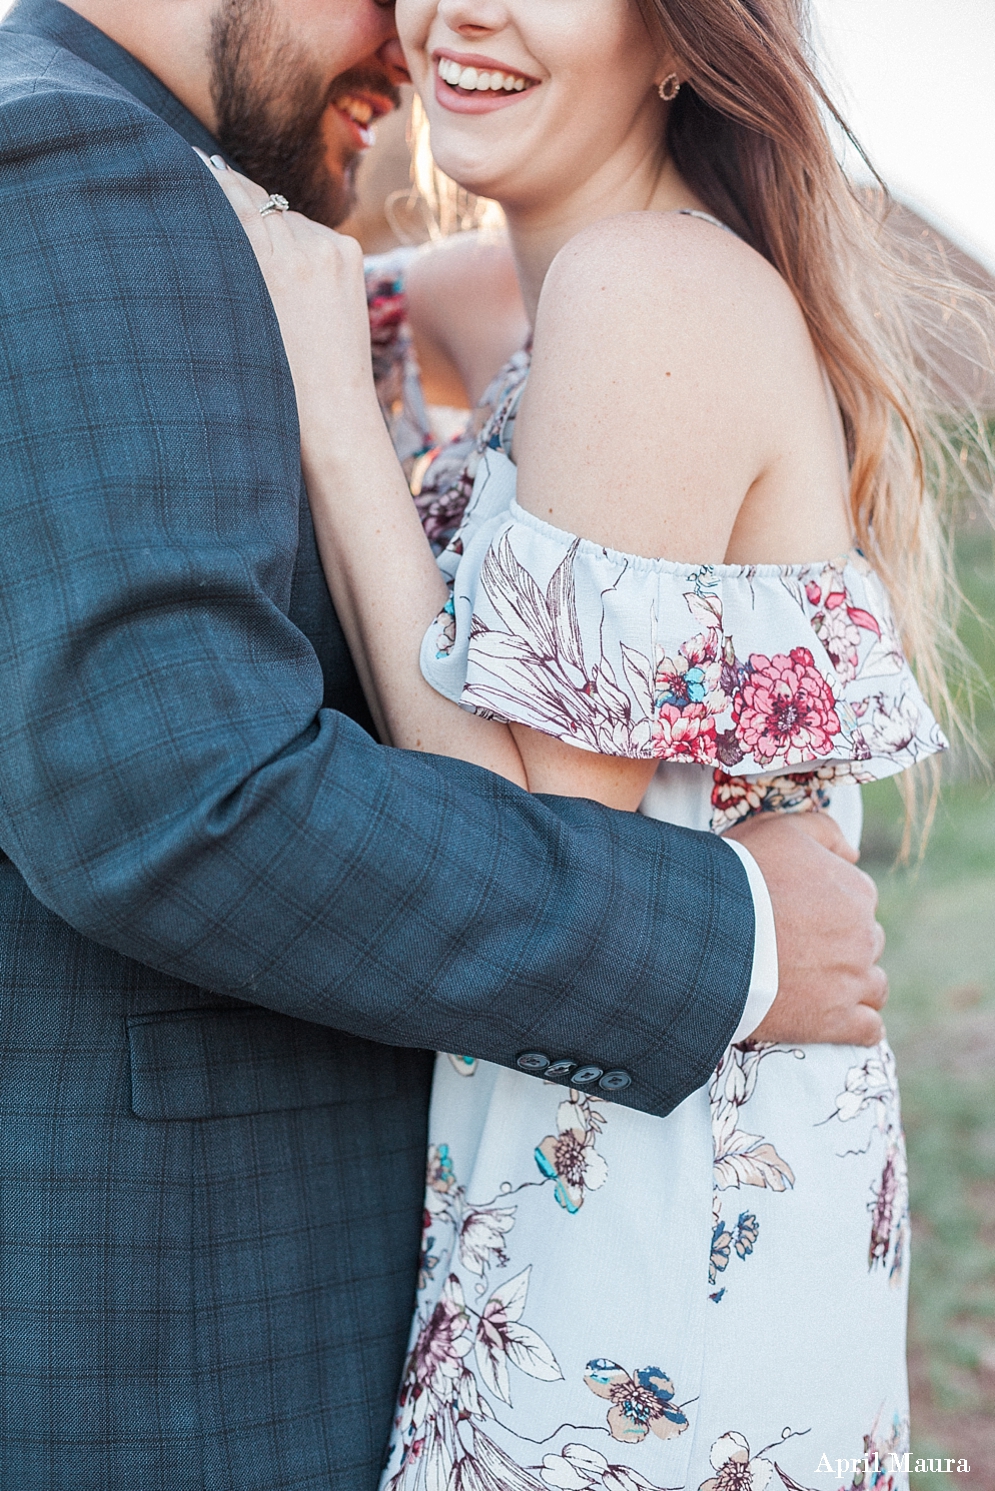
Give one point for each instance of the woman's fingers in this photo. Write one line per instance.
(278, 229)
(315, 281)
(237, 188)
(246, 198)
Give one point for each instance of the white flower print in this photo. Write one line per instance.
(735, 1471)
(481, 1237)
(569, 1157)
(540, 656)
(578, 1468)
(892, 727)
(503, 1340)
(740, 1158)
(872, 1089)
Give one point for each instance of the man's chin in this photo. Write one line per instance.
(340, 195)
(341, 166)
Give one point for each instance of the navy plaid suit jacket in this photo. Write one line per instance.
(232, 926)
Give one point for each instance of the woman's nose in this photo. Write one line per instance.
(474, 17)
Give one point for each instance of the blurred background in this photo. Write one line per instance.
(915, 78)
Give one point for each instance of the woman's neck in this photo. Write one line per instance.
(538, 232)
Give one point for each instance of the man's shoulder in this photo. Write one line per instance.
(103, 203)
(32, 66)
(53, 101)
(97, 167)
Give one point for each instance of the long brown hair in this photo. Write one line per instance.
(748, 133)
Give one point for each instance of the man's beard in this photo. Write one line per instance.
(270, 100)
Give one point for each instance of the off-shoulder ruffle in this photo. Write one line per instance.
(755, 670)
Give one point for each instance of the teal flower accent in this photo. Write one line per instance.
(642, 1402)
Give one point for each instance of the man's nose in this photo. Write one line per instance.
(391, 58)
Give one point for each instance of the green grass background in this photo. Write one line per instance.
(940, 919)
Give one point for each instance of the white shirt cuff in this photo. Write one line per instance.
(763, 981)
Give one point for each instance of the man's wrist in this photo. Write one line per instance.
(764, 978)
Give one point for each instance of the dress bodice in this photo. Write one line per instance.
(778, 682)
(780, 679)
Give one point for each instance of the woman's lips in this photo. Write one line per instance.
(469, 97)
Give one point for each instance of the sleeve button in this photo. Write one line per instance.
(532, 1061)
(560, 1069)
(584, 1075)
(615, 1081)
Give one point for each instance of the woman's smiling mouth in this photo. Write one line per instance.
(470, 84)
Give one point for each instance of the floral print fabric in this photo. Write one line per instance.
(754, 671)
(714, 1300)
(614, 1302)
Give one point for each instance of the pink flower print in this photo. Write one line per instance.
(864, 619)
(838, 624)
(684, 734)
(840, 636)
(785, 709)
(443, 1342)
(642, 1403)
(570, 1158)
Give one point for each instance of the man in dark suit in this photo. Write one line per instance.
(233, 926)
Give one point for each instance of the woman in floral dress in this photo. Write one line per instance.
(630, 606)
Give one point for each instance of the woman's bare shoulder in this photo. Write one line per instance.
(667, 352)
(671, 276)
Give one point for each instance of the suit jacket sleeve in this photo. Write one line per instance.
(170, 783)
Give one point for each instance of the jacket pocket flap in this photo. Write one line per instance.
(227, 1063)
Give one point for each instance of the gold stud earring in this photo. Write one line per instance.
(670, 88)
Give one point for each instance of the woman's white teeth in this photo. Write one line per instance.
(473, 80)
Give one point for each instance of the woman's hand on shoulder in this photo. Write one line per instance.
(662, 343)
(315, 280)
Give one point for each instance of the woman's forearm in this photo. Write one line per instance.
(386, 587)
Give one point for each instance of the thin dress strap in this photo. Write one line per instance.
(706, 217)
